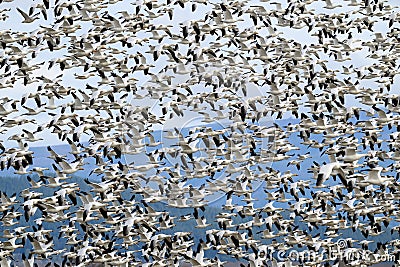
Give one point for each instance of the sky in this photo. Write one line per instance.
(70, 78)
(181, 17)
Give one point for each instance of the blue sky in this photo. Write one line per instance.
(181, 16)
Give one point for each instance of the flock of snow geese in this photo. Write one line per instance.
(105, 78)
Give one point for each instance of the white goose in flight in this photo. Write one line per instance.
(374, 177)
(351, 155)
(326, 170)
